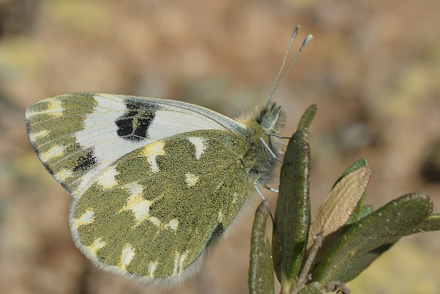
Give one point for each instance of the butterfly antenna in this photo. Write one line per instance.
(278, 81)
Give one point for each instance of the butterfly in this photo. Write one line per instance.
(155, 182)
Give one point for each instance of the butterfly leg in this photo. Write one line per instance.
(258, 189)
(271, 189)
(261, 194)
(270, 150)
(278, 138)
(266, 187)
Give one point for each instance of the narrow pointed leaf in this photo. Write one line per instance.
(357, 212)
(356, 165)
(339, 205)
(293, 211)
(307, 117)
(261, 279)
(367, 239)
(432, 223)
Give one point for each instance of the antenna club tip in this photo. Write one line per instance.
(295, 31)
(307, 40)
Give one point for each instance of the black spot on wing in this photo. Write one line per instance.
(133, 125)
(85, 162)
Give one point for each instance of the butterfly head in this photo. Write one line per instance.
(262, 149)
(271, 119)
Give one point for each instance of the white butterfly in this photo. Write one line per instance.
(154, 182)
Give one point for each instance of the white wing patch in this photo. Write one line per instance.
(54, 108)
(168, 124)
(40, 134)
(155, 221)
(173, 224)
(55, 151)
(97, 244)
(151, 151)
(100, 133)
(191, 179)
(86, 218)
(64, 174)
(154, 149)
(152, 268)
(200, 145)
(128, 254)
(178, 262)
(135, 190)
(108, 180)
(153, 163)
(137, 204)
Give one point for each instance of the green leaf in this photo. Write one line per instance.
(356, 165)
(432, 223)
(337, 207)
(367, 239)
(292, 214)
(359, 209)
(366, 210)
(307, 117)
(261, 279)
(356, 214)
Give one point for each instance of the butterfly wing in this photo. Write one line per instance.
(151, 214)
(78, 136)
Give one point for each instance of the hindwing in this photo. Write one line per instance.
(151, 214)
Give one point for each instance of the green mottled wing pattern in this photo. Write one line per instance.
(153, 212)
(52, 124)
(154, 181)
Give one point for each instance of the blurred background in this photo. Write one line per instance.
(373, 69)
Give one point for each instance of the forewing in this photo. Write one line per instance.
(78, 136)
(153, 212)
